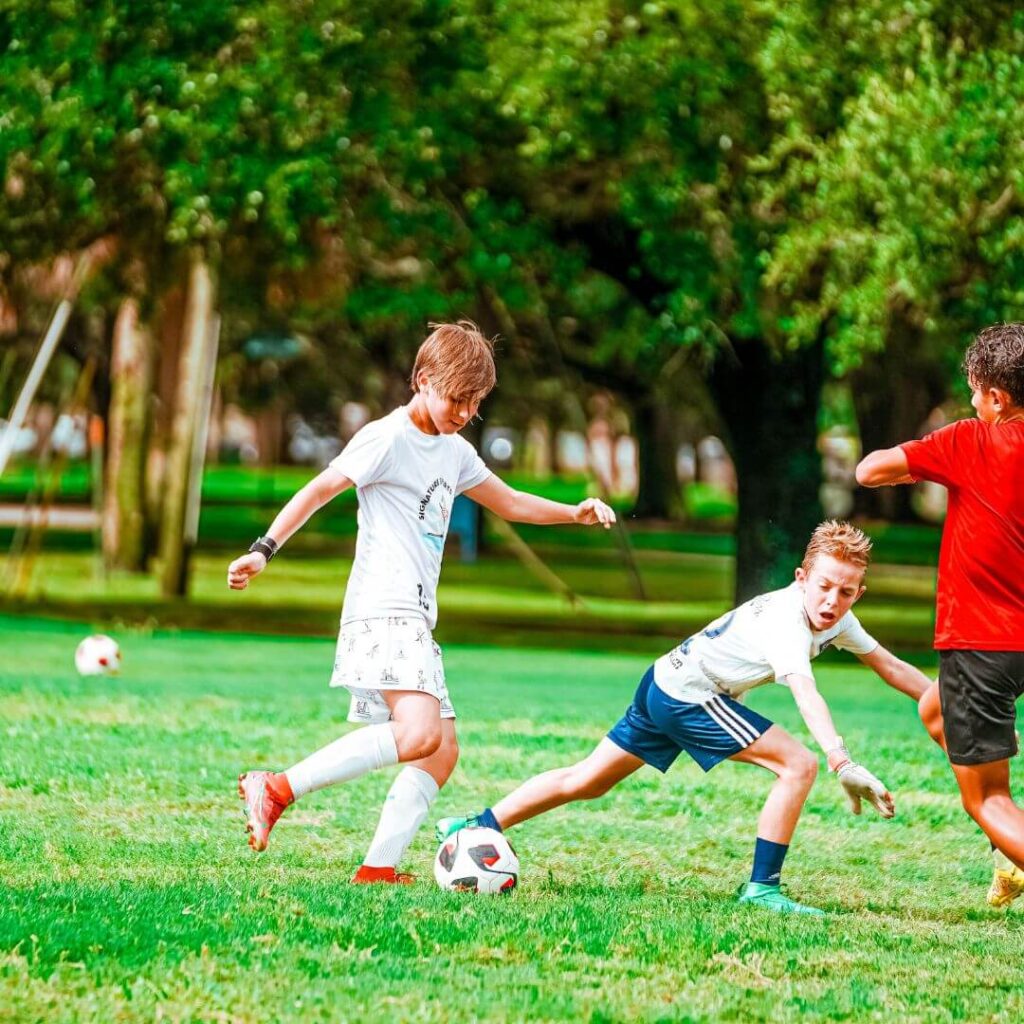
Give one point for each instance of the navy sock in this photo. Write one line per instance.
(486, 819)
(768, 858)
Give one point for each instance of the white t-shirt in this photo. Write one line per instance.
(766, 639)
(406, 481)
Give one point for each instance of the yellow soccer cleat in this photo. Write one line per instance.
(1007, 881)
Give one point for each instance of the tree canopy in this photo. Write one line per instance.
(714, 205)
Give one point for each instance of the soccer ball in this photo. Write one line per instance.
(476, 860)
(98, 655)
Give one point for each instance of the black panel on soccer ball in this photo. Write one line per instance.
(484, 856)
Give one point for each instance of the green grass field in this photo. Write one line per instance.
(130, 895)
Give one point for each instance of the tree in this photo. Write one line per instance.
(902, 237)
(124, 514)
(672, 149)
(253, 139)
(633, 130)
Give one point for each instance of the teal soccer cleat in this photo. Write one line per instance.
(771, 896)
(446, 826)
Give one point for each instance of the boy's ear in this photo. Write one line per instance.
(1001, 399)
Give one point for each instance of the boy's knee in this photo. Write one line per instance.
(802, 767)
(972, 804)
(418, 741)
(929, 710)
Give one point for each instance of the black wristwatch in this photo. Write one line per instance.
(266, 546)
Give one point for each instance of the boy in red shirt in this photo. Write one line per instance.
(979, 628)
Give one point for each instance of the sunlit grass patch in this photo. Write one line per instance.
(129, 892)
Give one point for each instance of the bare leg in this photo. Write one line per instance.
(413, 790)
(929, 708)
(796, 769)
(985, 791)
(441, 763)
(415, 722)
(608, 765)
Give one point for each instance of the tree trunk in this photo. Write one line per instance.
(167, 329)
(124, 519)
(270, 433)
(893, 392)
(770, 403)
(658, 493)
(196, 338)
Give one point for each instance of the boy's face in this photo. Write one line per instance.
(448, 414)
(831, 587)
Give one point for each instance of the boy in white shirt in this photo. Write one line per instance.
(688, 700)
(407, 468)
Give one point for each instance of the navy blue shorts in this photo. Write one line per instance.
(656, 727)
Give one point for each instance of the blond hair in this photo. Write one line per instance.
(459, 360)
(840, 540)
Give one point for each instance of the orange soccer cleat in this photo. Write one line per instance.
(266, 795)
(386, 876)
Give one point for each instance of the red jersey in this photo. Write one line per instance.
(980, 601)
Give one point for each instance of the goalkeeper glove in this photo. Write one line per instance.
(859, 784)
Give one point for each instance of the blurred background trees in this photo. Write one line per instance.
(702, 214)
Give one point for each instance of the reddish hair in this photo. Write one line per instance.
(840, 540)
(459, 360)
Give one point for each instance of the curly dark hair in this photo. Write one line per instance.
(995, 359)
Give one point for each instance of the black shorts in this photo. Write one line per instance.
(979, 691)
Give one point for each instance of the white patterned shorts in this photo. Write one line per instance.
(396, 653)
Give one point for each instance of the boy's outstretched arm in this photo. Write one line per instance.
(884, 466)
(307, 500)
(815, 713)
(858, 783)
(900, 675)
(522, 507)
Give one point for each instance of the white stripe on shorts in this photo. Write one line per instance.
(736, 726)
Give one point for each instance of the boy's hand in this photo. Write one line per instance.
(860, 784)
(241, 570)
(593, 510)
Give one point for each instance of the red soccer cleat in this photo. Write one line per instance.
(263, 805)
(386, 876)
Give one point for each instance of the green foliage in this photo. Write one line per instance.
(617, 188)
(249, 129)
(589, 159)
(907, 211)
(130, 894)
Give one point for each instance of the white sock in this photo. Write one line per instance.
(405, 809)
(347, 758)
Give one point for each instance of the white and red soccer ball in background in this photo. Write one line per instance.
(98, 655)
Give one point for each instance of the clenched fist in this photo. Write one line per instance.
(593, 510)
(241, 570)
